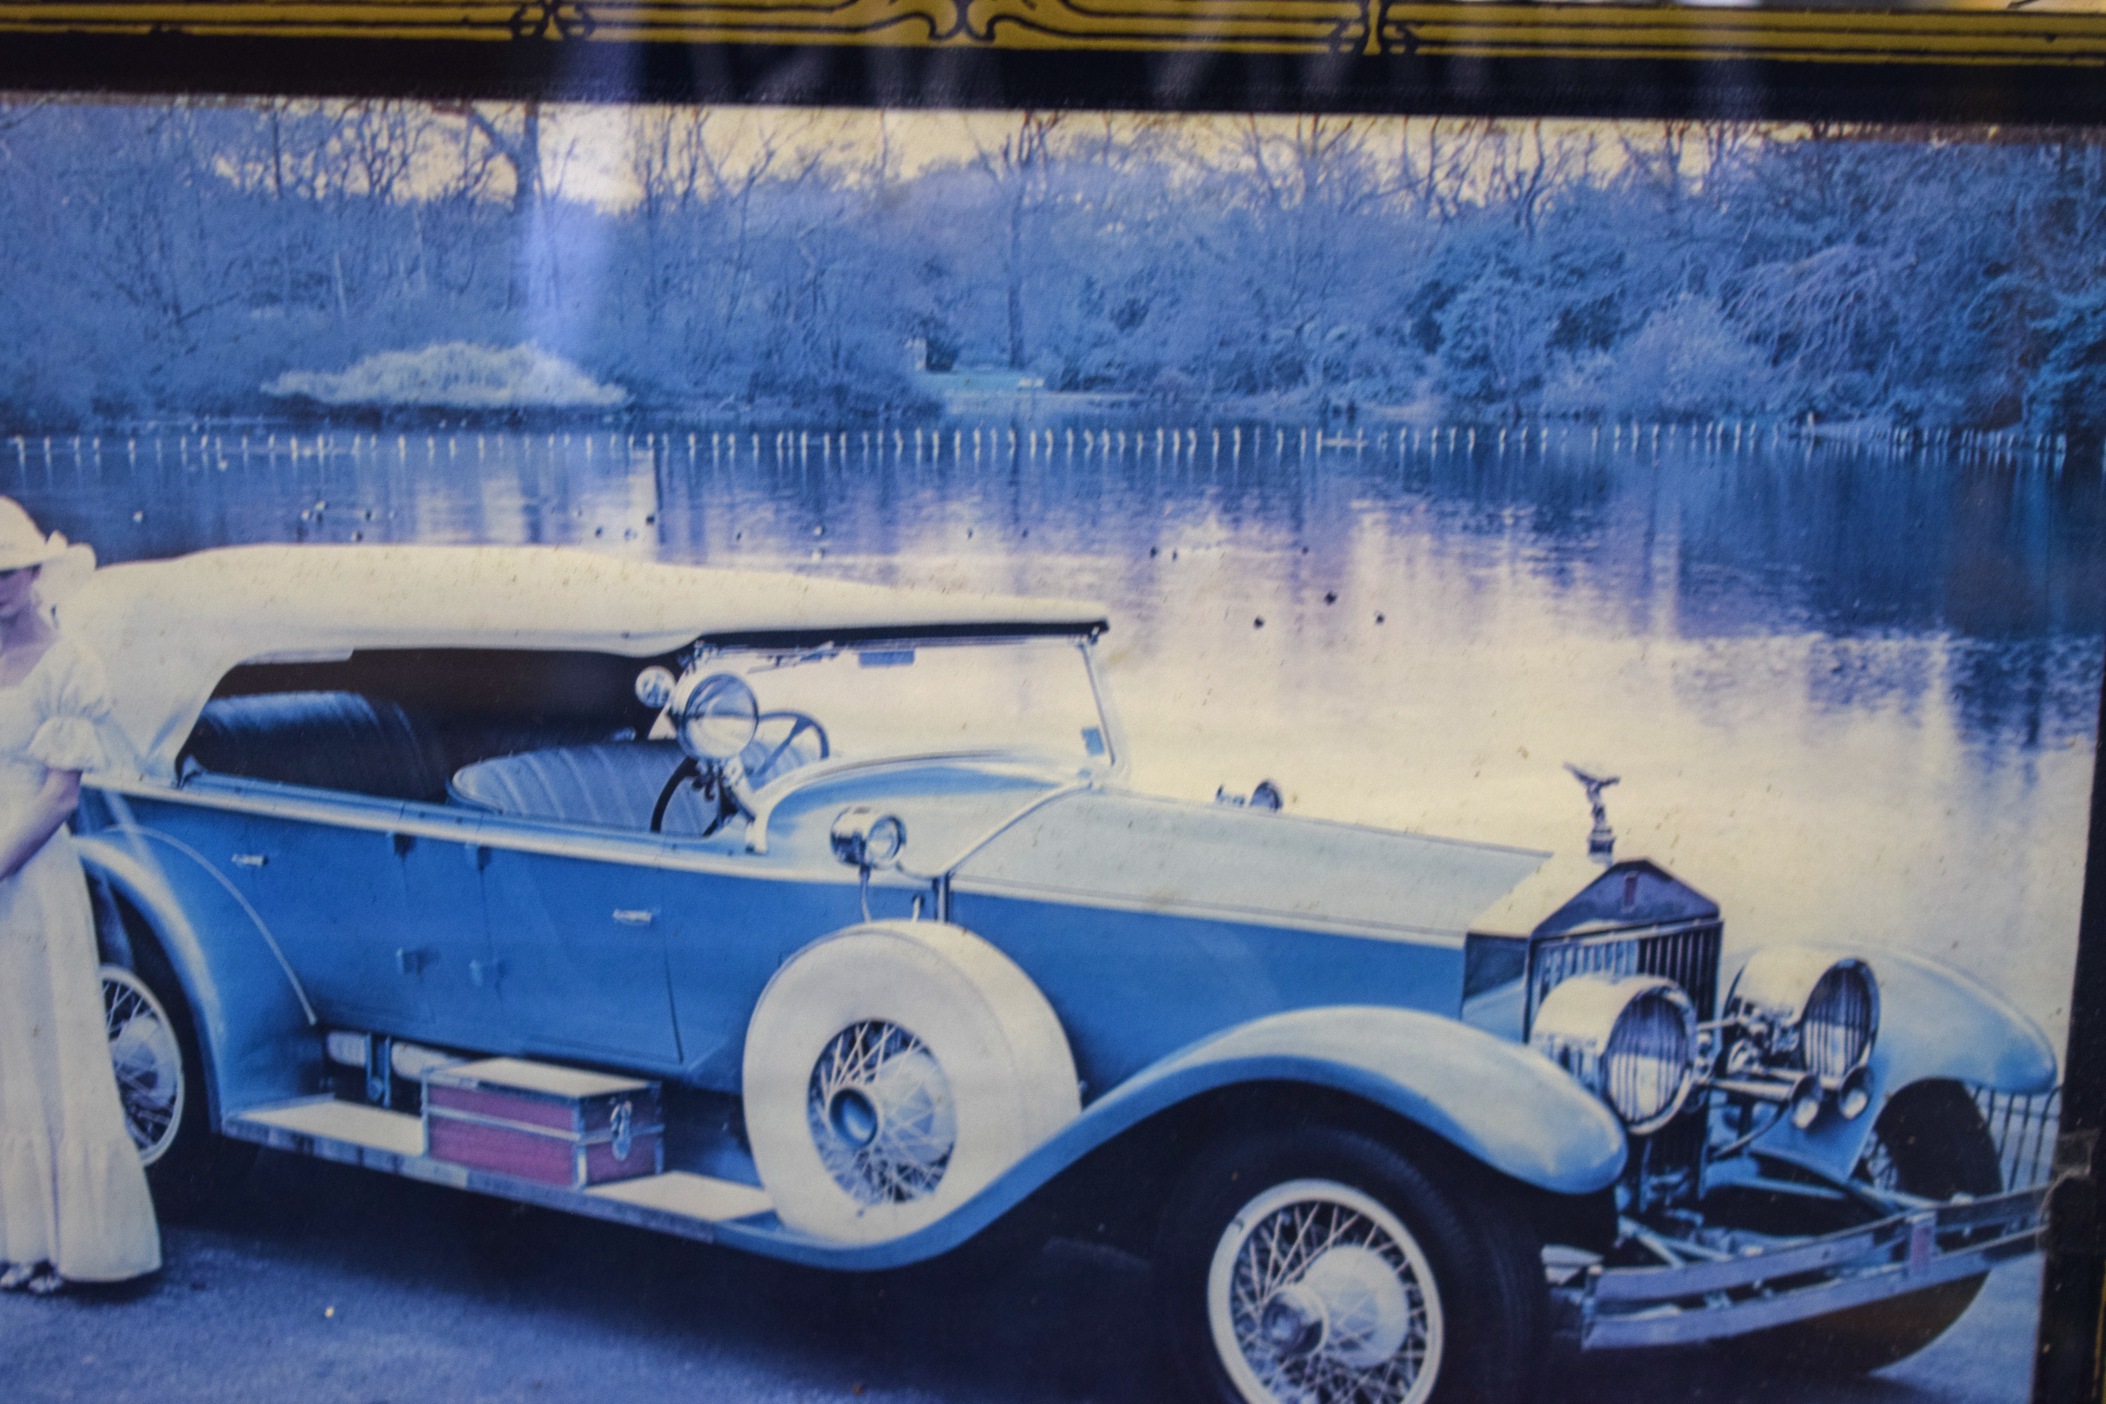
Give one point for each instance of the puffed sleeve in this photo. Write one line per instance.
(76, 697)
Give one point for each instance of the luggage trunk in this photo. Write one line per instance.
(555, 1126)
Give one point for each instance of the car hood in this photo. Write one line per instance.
(1117, 849)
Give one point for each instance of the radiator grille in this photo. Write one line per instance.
(1687, 955)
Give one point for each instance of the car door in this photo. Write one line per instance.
(378, 906)
(578, 924)
(442, 942)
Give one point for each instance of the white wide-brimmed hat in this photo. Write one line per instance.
(22, 545)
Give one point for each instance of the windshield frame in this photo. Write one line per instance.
(739, 654)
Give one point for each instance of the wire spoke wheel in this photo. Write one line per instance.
(892, 1071)
(1318, 1294)
(147, 1060)
(881, 1114)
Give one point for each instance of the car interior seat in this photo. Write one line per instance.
(613, 784)
(328, 740)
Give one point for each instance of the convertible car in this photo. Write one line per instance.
(814, 919)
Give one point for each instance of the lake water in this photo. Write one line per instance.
(1852, 692)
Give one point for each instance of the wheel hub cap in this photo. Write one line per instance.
(1319, 1295)
(1366, 1310)
(1293, 1321)
(853, 1118)
(881, 1114)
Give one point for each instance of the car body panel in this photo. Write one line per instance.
(376, 905)
(254, 1026)
(1133, 986)
(1118, 849)
(728, 936)
(579, 955)
(950, 805)
(1501, 1103)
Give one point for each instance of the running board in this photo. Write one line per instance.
(677, 1202)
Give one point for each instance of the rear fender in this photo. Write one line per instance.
(1495, 1101)
(1935, 1024)
(253, 1026)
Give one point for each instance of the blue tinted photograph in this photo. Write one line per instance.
(784, 753)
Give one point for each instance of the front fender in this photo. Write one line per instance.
(1934, 1024)
(253, 1026)
(1499, 1102)
(1496, 1101)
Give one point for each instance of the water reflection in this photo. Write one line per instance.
(1852, 692)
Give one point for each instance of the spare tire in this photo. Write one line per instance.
(892, 1071)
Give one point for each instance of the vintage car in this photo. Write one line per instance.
(813, 919)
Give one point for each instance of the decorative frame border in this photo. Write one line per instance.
(1370, 28)
(1963, 62)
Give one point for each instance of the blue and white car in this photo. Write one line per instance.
(852, 875)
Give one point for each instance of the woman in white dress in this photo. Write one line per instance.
(73, 1198)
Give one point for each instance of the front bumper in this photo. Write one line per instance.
(1692, 1302)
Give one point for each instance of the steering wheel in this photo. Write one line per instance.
(714, 785)
(688, 770)
(800, 723)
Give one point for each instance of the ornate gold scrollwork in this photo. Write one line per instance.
(1969, 34)
(1276, 25)
(552, 19)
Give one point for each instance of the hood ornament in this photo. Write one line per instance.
(1601, 840)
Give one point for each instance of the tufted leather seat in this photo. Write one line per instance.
(613, 784)
(330, 740)
(616, 783)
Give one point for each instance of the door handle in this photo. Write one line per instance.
(250, 860)
(484, 974)
(634, 916)
(411, 960)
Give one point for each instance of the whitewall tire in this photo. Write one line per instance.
(1317, 1291)
(1308, 1263)
(892, 1071)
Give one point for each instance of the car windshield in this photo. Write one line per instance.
(917, 697)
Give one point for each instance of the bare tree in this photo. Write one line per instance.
(1020, 166)
(1305, 184)
(510, 135)
(1436, 171)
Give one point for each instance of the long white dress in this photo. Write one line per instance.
(72, 1192)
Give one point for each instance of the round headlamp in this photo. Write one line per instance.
(654, 688)
(717, 715)
(868, 838)
(1808, 1010)
(1630, 1039)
